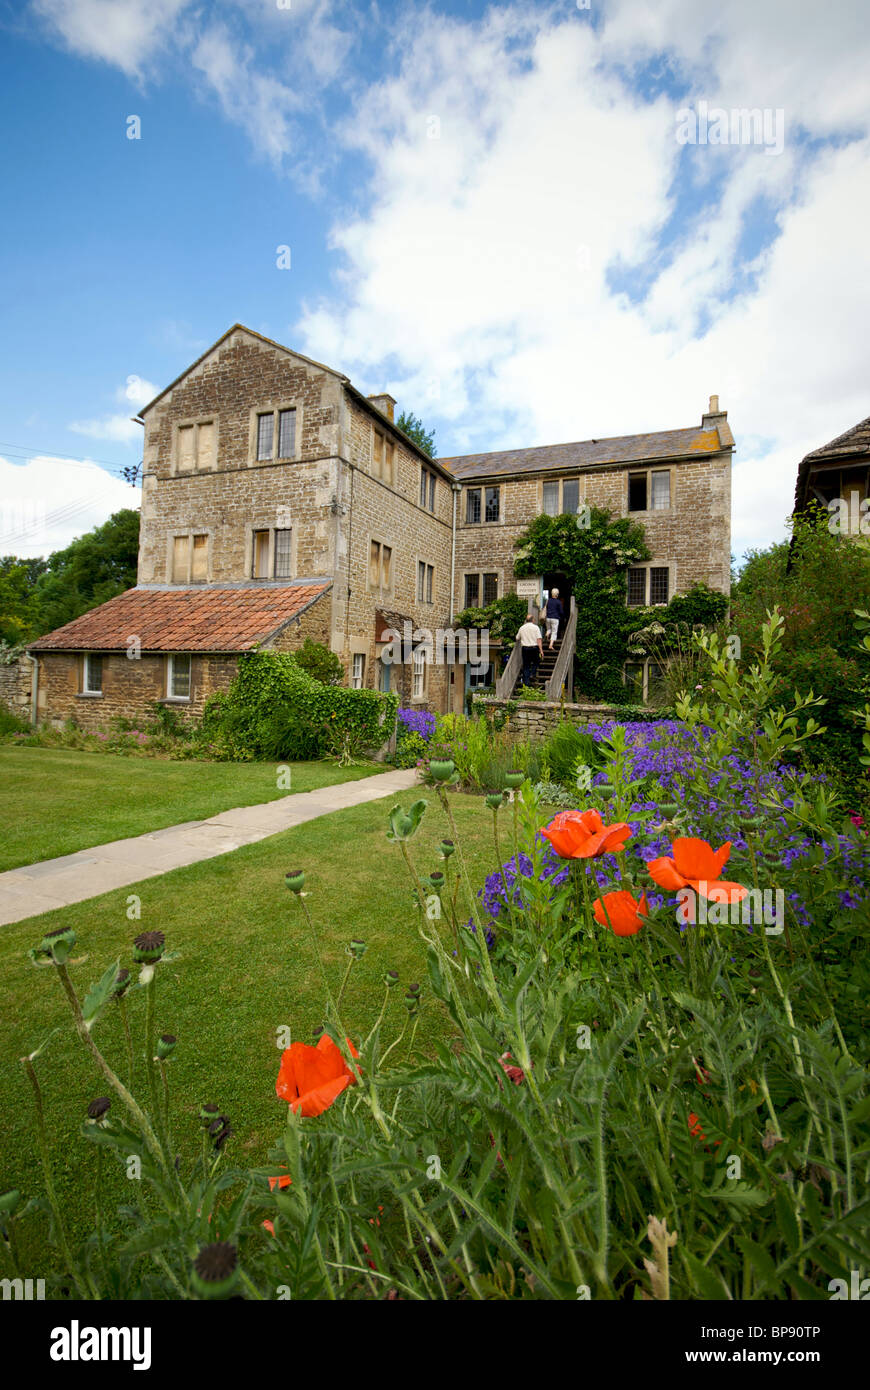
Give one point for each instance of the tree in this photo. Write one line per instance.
(320, 662)
(37, 596)
(415, 430)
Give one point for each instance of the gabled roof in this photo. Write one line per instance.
(240, 328)
(195, 619)
(853, 443)
(591, 453)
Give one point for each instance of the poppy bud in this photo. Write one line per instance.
(414, 989)
(446, 848)
(58, 944)
(98, 1109)
(216, 1270)
(391, 978)
(295, 880)
(357, 949)
(122, 984)
(436, 879)
(148, 947)
(669, 808)
(442, 769)
(166, 1045)
(495, 801)
(208, 1112)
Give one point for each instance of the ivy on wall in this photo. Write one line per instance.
(594, 558)
(274, 709)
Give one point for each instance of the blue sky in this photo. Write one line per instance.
(488, 212)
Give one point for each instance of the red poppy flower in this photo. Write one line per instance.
(311, 1078)
(583, 835)
(513, 1072)
(624, 914)
(283, 1181)
(695, 864)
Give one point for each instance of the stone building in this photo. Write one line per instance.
(279, 503)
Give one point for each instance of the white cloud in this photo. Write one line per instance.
(136, 393)
(481, 264)
(47, 502)
(125, 33)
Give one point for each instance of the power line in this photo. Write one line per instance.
(28, 451)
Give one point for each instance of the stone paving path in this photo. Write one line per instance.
(55, 883)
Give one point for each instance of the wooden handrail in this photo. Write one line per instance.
(563, 671)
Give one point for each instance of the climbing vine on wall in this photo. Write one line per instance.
(594, 558)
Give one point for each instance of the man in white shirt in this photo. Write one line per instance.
(532, 642)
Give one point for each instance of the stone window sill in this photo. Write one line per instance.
(89, 695)
(175, 700)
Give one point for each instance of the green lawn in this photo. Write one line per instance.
(246, 967)
(54, 801)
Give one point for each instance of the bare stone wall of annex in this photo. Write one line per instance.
(130, 688)
(386, 511)
(235, 494)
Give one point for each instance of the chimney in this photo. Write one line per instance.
(385, 403)
(714, 416)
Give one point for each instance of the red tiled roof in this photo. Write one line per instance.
(185, 620)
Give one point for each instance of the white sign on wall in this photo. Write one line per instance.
(528, 588)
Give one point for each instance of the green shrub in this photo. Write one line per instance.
(275, 710)
(562, 749)
(10, 723)
(319, 662)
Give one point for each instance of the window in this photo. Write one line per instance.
(282, 554)
(649, 491)
(480, 676)
(561, 496)
(425, 577)
(265, 435)
(380, 566)
(643, 679)
(377, 453)
(637, 492)
(418, 678)
(273, 434)
(185, 448)
(492, 504)
(199, 562)
(286, 434)
(260, 566)
(636, 587)
(357, 679)
(427, 489)
(658, 585)
(480, 590)
(92, 675)
(195, 446)
(661, 491)
(384, 676)
(634, 678)
(178, 678)
(472, 506)
(181, 559)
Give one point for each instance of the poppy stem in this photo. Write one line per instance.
(45, 1158)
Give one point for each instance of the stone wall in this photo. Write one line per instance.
(537, 718)
(16, 686)
(692, 537)
(130, 688)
